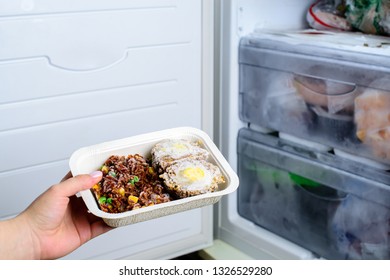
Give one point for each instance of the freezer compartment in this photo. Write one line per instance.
(314, 199)
(337, 95)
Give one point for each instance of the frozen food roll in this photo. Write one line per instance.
(167, 152)
(189, 177)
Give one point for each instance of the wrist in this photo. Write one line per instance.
(18, 242)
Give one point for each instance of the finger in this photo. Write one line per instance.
(73, 185)
(67, 176)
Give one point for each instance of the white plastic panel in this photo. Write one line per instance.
(33, 7)
(24, 185)
(133, 240)
(264, 14)
(77, 73)
(56, 141)
(70, 53)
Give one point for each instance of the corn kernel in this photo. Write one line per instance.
(104, 169)
(121, 191)
(132, 198)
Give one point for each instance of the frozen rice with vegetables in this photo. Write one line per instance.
(129, 182)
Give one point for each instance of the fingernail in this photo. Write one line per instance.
(96, 174)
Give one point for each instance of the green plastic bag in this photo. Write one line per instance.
(369, 16)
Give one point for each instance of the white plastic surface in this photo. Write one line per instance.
(300, 141)
(367, 161)
(353, 41)
(88, 159)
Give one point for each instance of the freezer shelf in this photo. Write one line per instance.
(314, 199)
(334, 94)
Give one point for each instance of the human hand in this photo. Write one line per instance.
(57, 222)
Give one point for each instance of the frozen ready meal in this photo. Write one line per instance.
(152, 175)
(178, 168)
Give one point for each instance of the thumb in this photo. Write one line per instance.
(71, 186)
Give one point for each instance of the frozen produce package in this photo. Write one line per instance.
(369, 16)
(133, 189)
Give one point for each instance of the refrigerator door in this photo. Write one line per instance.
(77, 73)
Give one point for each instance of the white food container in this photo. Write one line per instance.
(88, 159)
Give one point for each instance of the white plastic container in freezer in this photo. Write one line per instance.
(88, 159)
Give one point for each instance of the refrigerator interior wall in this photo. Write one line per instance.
(79, 73)
(236, 19)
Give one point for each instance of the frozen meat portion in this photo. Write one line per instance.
(373, 99)
(372, 118)
(168, 151)
(189, 177)
(184, 167)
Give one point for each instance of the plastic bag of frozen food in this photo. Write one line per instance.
(360, 229)
(328, 15)
(369, 16)
(372, 118)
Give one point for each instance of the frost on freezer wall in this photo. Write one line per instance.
(264, 14)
